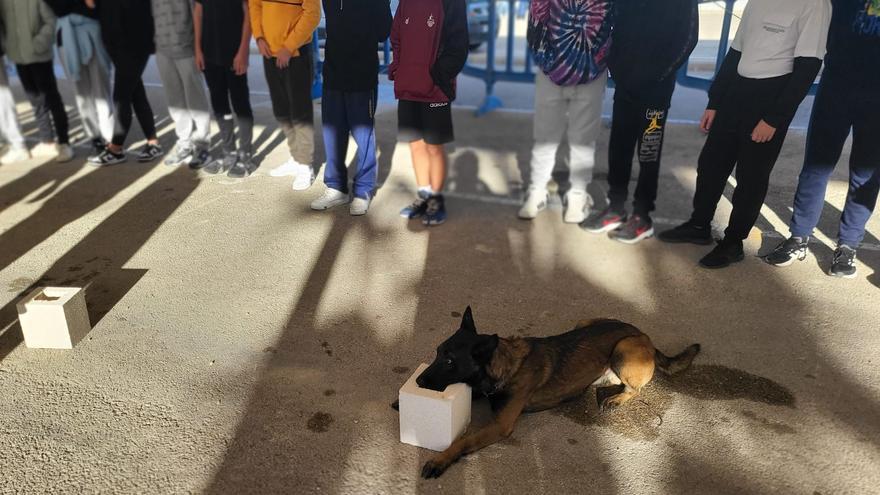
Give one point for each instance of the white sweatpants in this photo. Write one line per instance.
(94, 100)
(9, 128)
(187, 100)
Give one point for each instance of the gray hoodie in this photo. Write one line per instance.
(29, 34)
(175, 35)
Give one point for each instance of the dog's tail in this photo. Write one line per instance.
(677, 363)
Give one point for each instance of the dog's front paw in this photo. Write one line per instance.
(434, 468)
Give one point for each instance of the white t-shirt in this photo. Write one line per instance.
(772, 33)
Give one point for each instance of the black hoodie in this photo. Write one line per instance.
(355, 28)
(126, 27)
(651, 40)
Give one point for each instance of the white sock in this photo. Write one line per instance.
(426, 191)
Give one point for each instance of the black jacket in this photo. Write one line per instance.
(651, 41)
(126, 27)
(355, 28)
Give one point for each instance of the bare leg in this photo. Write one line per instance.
(421, 161)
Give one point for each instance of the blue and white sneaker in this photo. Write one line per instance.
(417, 208)
(435, 211)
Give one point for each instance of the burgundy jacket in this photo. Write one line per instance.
(429, 39)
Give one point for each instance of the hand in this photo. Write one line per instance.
(763, 132)
(707, 120)
(90, 4)
(264, 48)
(240, 63)
(200, 59)
(282, 60)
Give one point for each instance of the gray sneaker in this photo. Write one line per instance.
(179, 155)
(221, 165)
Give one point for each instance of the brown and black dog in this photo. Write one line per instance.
(532, 374)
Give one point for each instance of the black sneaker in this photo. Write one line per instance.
(435, 210)
(106, 157)
(603, 221)
(844, 264)
(793, 248)
(222, 164)
(725, 254)
(149, 153)
(98, 146)
(637, 228)
(200, 158)
(243, 167)
(416, 209)
(178, 155)
(688, 232)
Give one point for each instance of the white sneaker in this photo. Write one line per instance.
(13, 155)
(304, 178)
(64, 153)
(44, 150)
(359, 206)
(577, 206)
(330, 199)
(290, 167)
(536, 200)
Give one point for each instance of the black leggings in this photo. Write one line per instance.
(42, 90)
(128, 92)
(225, 86)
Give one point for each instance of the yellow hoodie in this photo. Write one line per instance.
(285, 23)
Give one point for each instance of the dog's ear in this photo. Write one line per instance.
(485, 348)
(467, 321)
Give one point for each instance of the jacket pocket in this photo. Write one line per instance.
(414, 79)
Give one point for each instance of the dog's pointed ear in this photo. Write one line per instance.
(485, 348)
(467, 321)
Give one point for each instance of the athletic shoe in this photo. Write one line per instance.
(179, 155)
(416, 209)
(98, 145)
(149, 153)
(793, 248)
(291, 167)
(603, 221)
(222, 164)
(106, 157)
(200, 159)
(244, 166)
(305, 176)
(844, 264)
(688, 232)
(724, 255)
(330, 199)
(577, 204)
(536, 200)
(435, 210)
(636, 228)
(44, 150)
(359, 206)
(64, 153)
(15, 154)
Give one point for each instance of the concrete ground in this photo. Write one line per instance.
(244, 344)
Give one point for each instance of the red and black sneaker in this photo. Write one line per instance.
(636, 228)
(603, 221)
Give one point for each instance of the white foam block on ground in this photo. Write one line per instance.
(433, 420)
(54, 318)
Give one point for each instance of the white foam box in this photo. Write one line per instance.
(54, 317)
(433, 420)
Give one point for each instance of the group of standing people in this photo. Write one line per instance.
(776, 55)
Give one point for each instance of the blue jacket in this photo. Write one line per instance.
(80, 40)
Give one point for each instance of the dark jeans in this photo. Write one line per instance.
(343, 114)
(730, 145)
(128, 92)
(225, 87)
(635, 127)
(838, 108)
(41, 88)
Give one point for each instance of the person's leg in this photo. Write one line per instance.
(215, 76)
(549, 128)
(421, 160)
(239, 94)
(336, 130)
(9, 126)
(102, 96)
(175, 95)
(196, 101)
(584, 123)
(49, 86)
(126, 76)
(625, 131)
(29, 76)
(141, 104)
(714, 166)
(298, 78)
(864, 173)
(85, 104)
(361, 108)
(437, 171)
(649, 151)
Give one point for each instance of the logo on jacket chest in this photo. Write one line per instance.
(431, 20)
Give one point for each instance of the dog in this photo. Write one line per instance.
(533, 374)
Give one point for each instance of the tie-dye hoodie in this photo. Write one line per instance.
(570, 39)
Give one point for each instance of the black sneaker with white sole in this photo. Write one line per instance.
(603, 221)
(243, 167)
(844, 264)
(106, 157)
(149, 153)
(793, 248)
(222, 164)
(637, 228)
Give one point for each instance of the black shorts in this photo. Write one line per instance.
(429, 121)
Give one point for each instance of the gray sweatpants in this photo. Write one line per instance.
(9, 128)
(572, 110)
(187, 100)
(94, 100)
